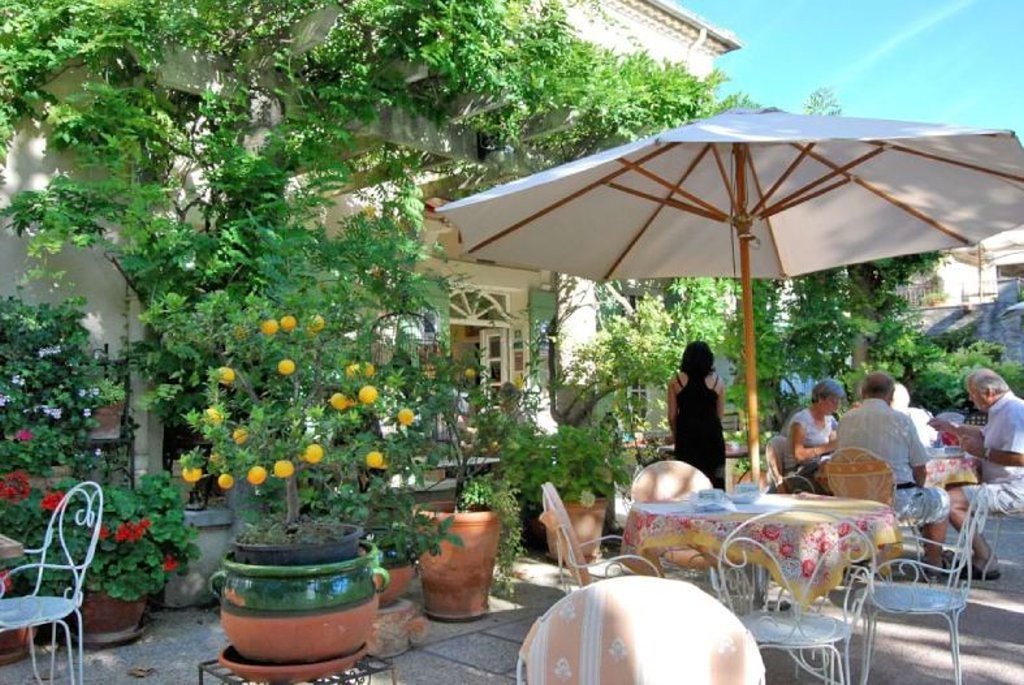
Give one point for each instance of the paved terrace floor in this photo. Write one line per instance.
(484, 652)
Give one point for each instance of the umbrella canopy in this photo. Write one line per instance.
(753, 193)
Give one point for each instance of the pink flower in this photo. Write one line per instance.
(807, 568)
(24, 435)
(786, 549)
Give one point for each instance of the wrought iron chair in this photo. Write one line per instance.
(571, 558)
(64, 556)
(913, 587)
(860, 474)
(670, 481)
(774, 454)
(789, 616)
(614, 633)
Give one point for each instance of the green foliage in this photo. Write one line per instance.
(50, 385)
(940, 384)
(144, 540)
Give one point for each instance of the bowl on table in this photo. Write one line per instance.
(745, 493)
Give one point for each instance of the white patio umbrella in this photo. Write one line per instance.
(753, 193)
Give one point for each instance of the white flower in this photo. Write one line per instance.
(17, 380)
(562, 669)
(617, 650)
(567, 612)
(87, 412)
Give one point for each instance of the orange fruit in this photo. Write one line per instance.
(191, 474)
(240, 435)
(214, 416)
(316, 324)
(368, 394)
(283, 469)
(288, 323)
(257, 475)
(339, 401)
(375, 460)
(405, 416)
(470, 374)
(225, 481)
(313, 453)
(226, 375)
(352, 370)
(369, 370)
(286, 367)
(269, 327)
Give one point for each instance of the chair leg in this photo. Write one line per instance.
(870, 626)
(954, 645)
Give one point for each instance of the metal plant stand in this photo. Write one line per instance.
(359, 674)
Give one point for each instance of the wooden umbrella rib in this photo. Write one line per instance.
(726, 183)
(667, 202)
(802, 194)
(804, 149)
(914, 212)
(677, 187)
(767, 221)
(1017, 178)
(779, 208)
(567, 199)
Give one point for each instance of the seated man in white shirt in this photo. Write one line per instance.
(1000, 446)
(891, 435)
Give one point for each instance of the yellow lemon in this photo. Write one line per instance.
(269, 327)
(286, 367)
(368, 394)
(316, 324)
(257, 475)
(225, 481)
(191, 474)
(405, 417)
(375, 460)
(313, 453)
(283, 469)
(352, 370)
(288, 323)
(339, 401)
(226, 375)
(470, 374)
(369, 370)
(214, 416)
(240, 435)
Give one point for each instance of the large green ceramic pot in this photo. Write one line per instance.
(328, 608)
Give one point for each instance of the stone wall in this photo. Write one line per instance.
(988, 320)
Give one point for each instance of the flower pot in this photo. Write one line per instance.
(109, 419)
(14, 644)
(299, 614)
(588, 522)
(109, 621)
(457, 582)
(346, 547)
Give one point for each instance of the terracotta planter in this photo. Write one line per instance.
(588, 522)
(299, 614)
(110, 621)
(457, 582)
(401, 576)
(14, 644)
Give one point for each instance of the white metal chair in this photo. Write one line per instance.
(671, 481)
(64, 556)
(570, 549)
(615, 633)
(790, 616)
(911, 586)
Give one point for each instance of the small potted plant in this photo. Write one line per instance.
(110, 397)
(144, 541)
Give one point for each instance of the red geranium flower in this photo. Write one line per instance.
(24, 435)
(14, 486)
(170, 563)
(52, 500)
(124, 532)
(104, 532)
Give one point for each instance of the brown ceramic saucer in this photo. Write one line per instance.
(286, 673)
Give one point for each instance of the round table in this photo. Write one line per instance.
(792, 532)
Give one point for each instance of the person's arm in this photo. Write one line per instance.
(672, 408)
(920, 473)
(796, 443)
(1003, 457)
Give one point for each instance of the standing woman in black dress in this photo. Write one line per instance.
(696, 402)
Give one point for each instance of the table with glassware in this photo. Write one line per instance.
(9, 548)
(951, 466)
(792, 531)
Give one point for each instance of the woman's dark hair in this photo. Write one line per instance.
(698, 360)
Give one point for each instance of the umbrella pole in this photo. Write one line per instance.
(741, 222)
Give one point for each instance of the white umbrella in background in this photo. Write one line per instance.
(762, 194)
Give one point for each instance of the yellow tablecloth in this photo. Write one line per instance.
(796, 538)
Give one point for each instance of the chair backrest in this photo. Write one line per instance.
(802, 573)
(974, 524)
(569, 548)
(775, 454)
(614, 632)
(667, 481)
(70, 541)
(860, 474)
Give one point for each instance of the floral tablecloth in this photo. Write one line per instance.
(946, 471)
(792, 532)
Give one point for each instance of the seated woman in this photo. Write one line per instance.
(812, 431)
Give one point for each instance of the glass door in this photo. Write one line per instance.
(494, 355)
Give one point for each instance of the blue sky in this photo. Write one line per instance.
(940, 61)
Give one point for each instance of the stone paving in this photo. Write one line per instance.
(910, 652)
